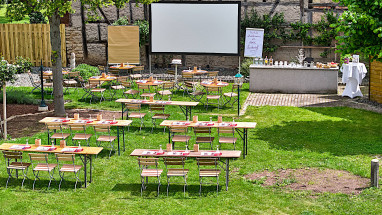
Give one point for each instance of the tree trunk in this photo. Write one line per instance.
(5, 110)
(55, 41)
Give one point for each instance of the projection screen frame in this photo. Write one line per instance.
(199, 53)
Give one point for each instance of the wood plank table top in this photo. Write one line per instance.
(158, 102)
(169, 123)
(122, 67)
(86, 150)
(212, 84)
(197, 72)
(150, 83)
(225, 154)
(50, 73)
(100, 78)
(121, 123)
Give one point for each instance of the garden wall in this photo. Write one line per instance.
(94, 35)
(376, 81)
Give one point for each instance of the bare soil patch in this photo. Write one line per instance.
(312, 179)
(24, 126)
(20, 109)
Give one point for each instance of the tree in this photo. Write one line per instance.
(361, 28)
(7, 74)
(54, 9)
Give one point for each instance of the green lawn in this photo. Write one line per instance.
(286, 137)
(5, 20)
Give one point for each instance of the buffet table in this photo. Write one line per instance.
(269, 79)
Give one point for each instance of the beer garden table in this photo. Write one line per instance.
(225, 154)
(118, 124)
(186, 107)
(86, 153)
(240, 127)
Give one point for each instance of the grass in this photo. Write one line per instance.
(286, 137)
(5, 20)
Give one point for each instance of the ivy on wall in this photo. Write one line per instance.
(277, 31)
(323, 34)
(274, 29)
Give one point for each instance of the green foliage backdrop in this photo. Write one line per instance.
(361, 28)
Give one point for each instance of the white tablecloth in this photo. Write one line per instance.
(352, 75)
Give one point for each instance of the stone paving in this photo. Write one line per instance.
(295, 100)
(311, 100)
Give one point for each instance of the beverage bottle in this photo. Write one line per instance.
(266, 62)
(271, 61)
(261, 61)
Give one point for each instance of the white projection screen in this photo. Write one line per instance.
(195, 28)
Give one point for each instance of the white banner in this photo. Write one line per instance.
(254, 38)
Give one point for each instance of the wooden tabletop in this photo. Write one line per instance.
(197, 72)
(50, 73)
(99, 78)
(216, 124)
(86, 151)
(158, 102)
(151, 83)
(95, 122)
(225, 154)
(123, 67)
(218, 84)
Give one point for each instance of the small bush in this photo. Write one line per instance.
(244, 68)
(23, 64)
(122, 21)
(86, 71)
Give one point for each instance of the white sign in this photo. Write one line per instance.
(254, 38)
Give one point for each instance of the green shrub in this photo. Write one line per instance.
(143, 31)
(24, 64)
(121, 21)
(86, 71)
(20, 97)
(36, 18)
(244, 67)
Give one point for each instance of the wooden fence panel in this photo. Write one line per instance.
(29, 40)
(376, 81)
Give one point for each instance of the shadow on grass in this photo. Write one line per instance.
(175, 190)
(41, 185)
(336, 137)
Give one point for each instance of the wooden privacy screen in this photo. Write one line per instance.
(29, 40)
(123, 44)
(376, 81)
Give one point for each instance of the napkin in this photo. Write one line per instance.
(162, 102)
(205, 124)
(181, 123)
(136, 101)
(227, 124)
(206, 82)
(20, 147)
(45, 148)
(174, 153)
(148, 152)
(72, 149)
(213, 153)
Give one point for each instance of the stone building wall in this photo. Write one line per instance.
(96, 35)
